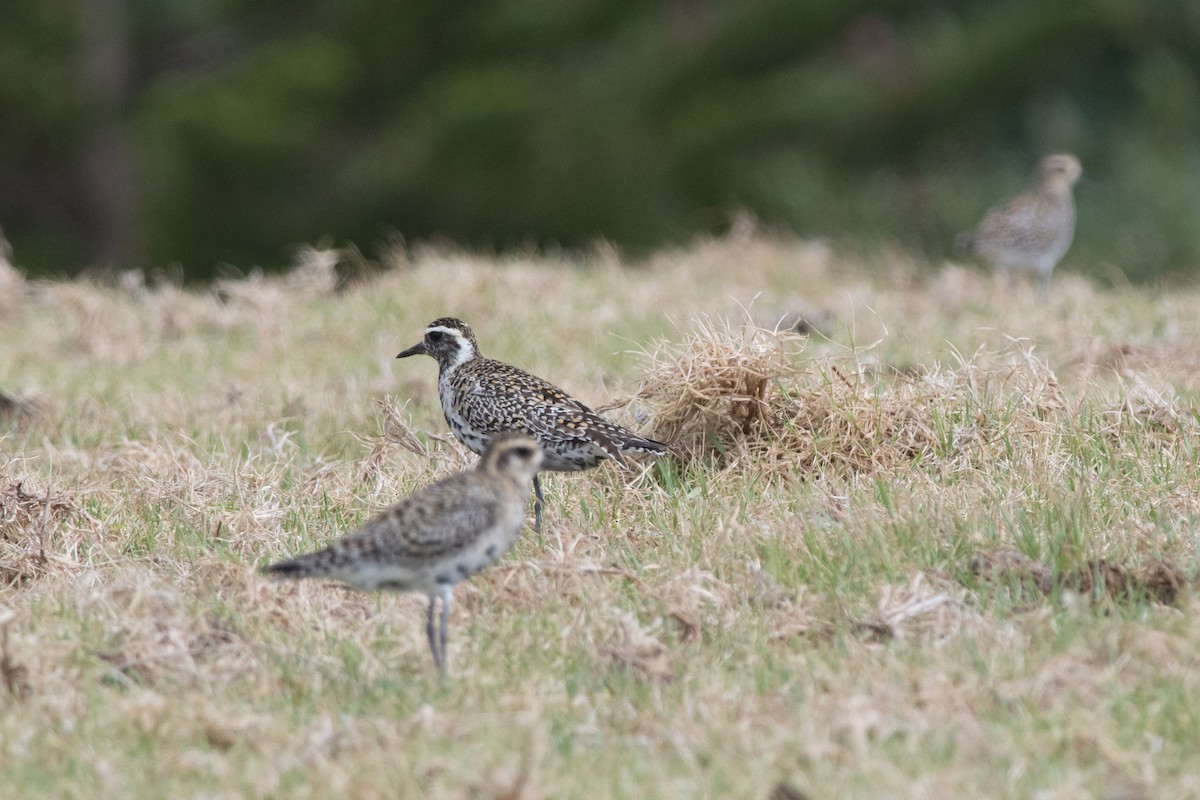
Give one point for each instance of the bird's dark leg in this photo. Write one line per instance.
(538, 502)
(429, 632)
(447, 595)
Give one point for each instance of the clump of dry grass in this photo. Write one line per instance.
(745, 395)
(29, 521)
(20, 510)
(717, 387)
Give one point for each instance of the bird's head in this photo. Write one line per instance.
(513, 455)
(1060, 171)
(448, 340)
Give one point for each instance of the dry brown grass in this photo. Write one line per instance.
(940, 545)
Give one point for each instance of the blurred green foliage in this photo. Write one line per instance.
(254, 126)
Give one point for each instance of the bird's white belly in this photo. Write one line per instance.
(374, 575)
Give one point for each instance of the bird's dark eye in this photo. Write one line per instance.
(524, 452)
(436, 336)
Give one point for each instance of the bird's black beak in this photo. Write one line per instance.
(417, 349)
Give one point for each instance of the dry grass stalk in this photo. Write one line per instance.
(395, 431)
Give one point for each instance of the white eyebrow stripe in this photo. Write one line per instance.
(444, 329)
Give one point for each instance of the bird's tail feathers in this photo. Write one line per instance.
(642, 444)
(305, 566)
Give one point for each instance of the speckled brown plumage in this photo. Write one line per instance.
(437, 537)
(1034, 229)
(481, 397)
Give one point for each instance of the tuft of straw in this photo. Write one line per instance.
(741, 395)
(718, 387)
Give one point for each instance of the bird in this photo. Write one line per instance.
(437, 537)
(1034, 229)
(481, 397)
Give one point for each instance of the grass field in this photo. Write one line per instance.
(940, 546)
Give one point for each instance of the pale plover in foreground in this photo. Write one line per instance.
(481, 397)
(1034, 229)
(437, 537)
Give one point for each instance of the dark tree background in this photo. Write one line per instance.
(143, 133)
